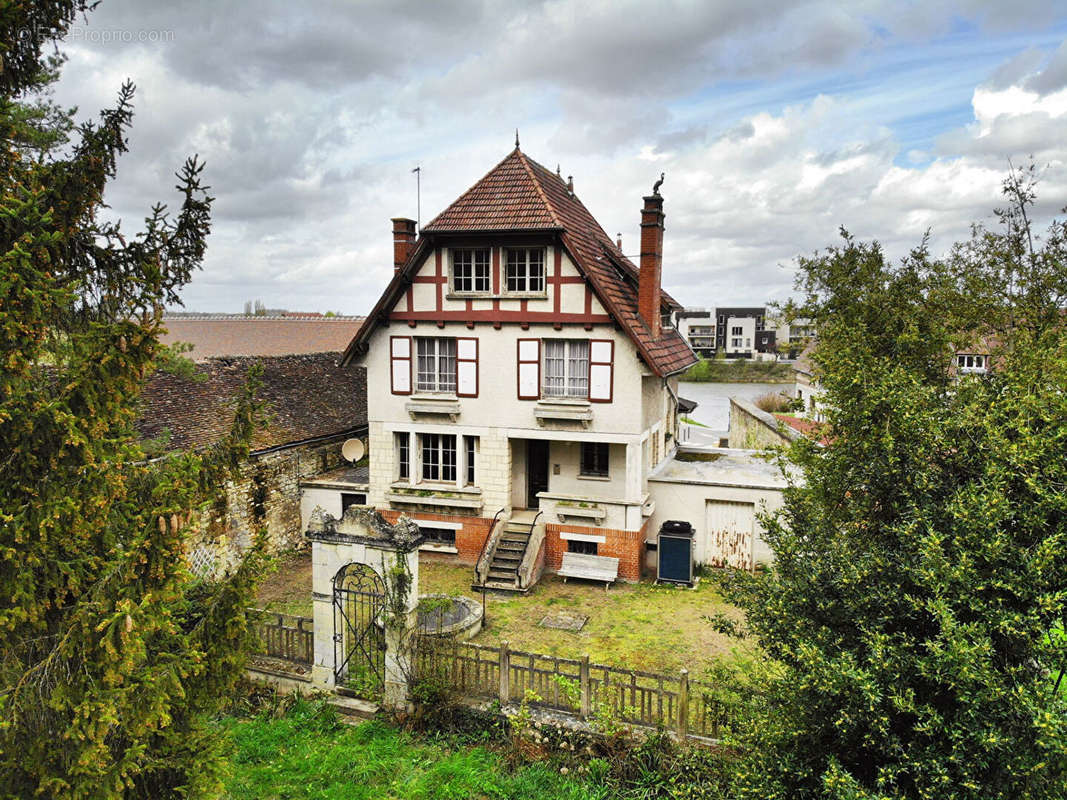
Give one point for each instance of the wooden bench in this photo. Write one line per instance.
(594, 568)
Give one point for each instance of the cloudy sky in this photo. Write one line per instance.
(776, 122)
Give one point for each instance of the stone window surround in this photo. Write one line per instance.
(414, 466)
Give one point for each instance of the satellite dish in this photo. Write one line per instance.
(353, 450)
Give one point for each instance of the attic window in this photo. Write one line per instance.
(470, 270)
(525, 269)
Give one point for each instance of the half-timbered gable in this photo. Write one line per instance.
(521, 377)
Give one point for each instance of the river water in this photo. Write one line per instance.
(714, 399)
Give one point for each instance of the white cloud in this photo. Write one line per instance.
(774, 121)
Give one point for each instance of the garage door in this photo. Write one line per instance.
(730, 530)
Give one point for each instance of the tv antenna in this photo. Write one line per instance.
(418, 197)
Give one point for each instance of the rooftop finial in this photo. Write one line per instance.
(558, 173)
(657, 184)
(516, 138)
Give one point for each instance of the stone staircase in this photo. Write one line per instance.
(507, 554)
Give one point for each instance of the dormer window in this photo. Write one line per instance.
(470, 270)
(525, 270)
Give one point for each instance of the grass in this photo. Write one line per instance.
(641, 626)
(720, 370)
(307, 753)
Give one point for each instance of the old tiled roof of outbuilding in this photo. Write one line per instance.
(519, 194)
(238, 335)
(308, 396)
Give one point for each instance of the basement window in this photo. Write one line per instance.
(439, 536)
(585, 548)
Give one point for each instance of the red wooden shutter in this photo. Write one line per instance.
(400, 364)
(529, 369)
(601, 370)
(466, 367)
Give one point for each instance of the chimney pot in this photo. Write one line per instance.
(403, 241)
(651, 265)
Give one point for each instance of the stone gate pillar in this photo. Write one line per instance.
(362, 536)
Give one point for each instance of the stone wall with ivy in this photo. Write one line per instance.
(267, 494)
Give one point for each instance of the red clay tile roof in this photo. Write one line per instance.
(519, 194)
(235, 335)
(308, 396)
(809, 427)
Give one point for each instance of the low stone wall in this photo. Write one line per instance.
(753, 429)
(265, 494)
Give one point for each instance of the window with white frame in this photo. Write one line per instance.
(594, 462)
(736, 330)
(972, 363)
(566, 368)
(470, 270)
(438, 456)
(403, 456)
(525, 271)
(436, 365)
(470, 446)
(735, 342)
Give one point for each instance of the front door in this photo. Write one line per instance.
(536, 470)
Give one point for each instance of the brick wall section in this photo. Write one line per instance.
(469, 539)
(266, 493)
(627, 546)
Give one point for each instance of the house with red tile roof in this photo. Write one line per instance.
(523, 377)
(222, 335)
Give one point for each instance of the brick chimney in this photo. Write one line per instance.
(648, 283)
(403, 241)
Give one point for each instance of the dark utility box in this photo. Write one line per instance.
(675, 550)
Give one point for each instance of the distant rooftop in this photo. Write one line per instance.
(213, 335)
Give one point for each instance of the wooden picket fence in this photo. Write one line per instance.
(284, 636)
(577, 686)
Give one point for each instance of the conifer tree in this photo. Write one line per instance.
(111, 656)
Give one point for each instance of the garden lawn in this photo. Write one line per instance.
(720, 370)
(307, 753)
(633, 626)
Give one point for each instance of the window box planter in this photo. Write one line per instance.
(433, 407)
(579, 411)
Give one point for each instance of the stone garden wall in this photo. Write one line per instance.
(267, 493)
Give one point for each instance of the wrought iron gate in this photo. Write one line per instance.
(358, 630)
